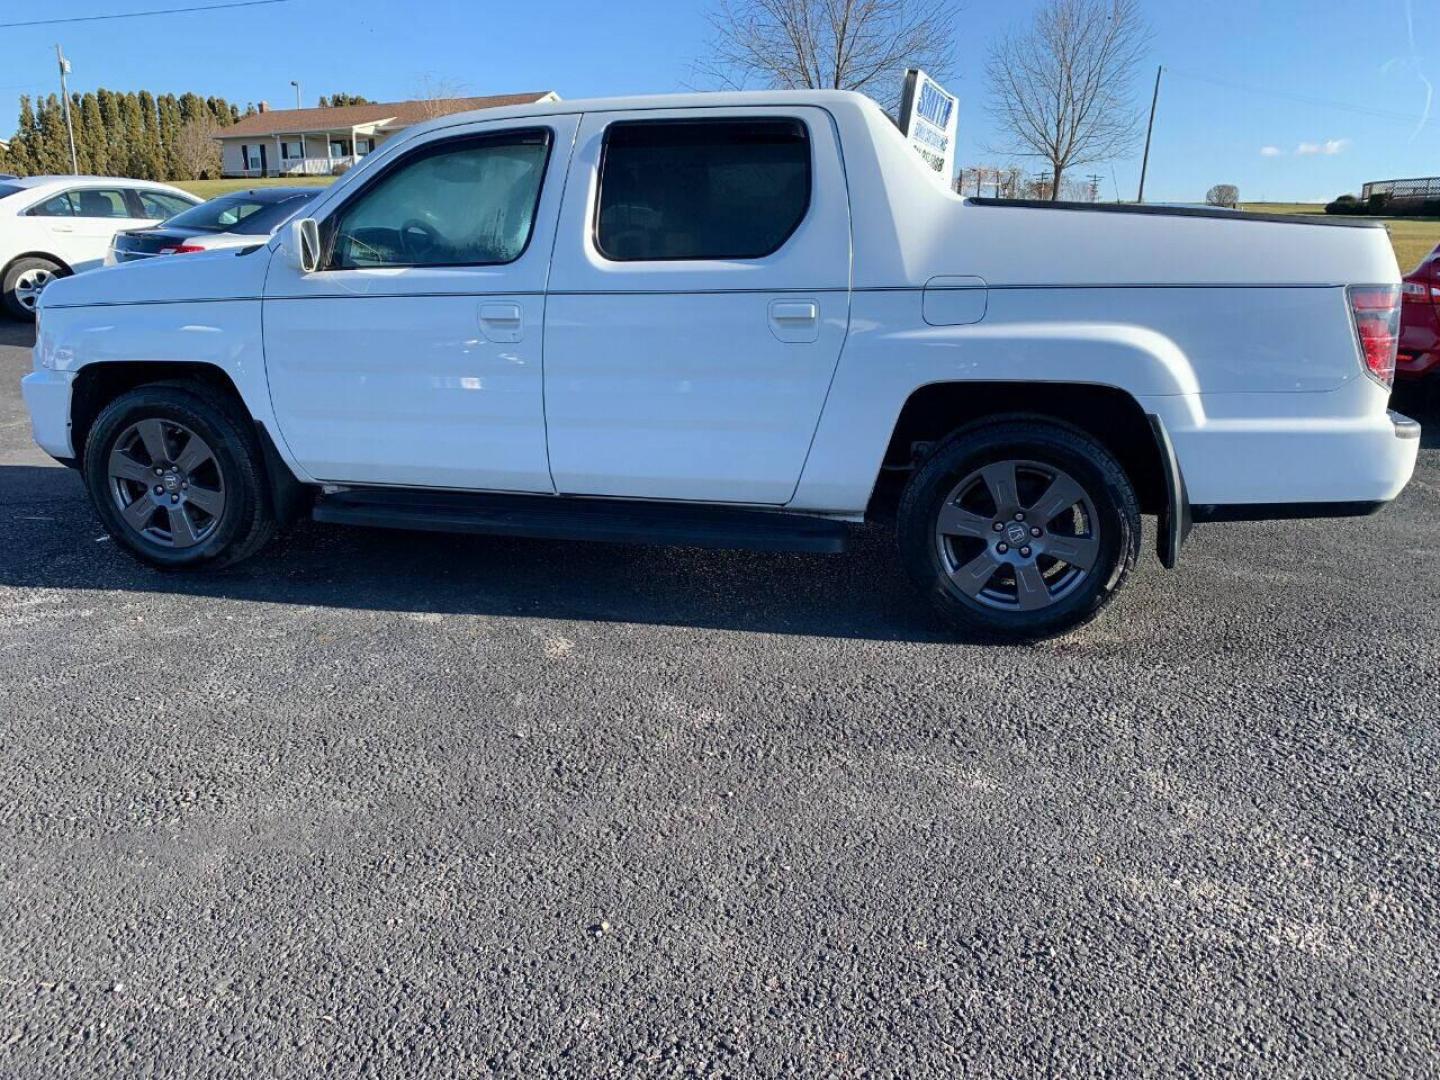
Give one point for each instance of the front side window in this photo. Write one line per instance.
(462, 202)
(706, 189)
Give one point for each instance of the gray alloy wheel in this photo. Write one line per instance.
(166, 483)
(30, 283)
(1017, 536)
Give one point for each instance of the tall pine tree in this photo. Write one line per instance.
(91, 132)
(170, 123)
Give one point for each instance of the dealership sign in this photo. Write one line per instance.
(929, 118)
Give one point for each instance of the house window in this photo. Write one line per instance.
(338, 149)
(364, 146)
(251, 156)
(289, 151)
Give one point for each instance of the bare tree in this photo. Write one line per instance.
(1223, 195)
(1008, 181)
(435, 93)
(829, 44)
(1062, 89)
(196, 151)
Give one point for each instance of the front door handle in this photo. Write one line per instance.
(795, 320)
(501, 322)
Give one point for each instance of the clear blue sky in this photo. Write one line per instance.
(1325, 50)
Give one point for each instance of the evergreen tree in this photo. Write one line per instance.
(152, 153)
(134, 140)
(54, 156)
(192, 107)
(170, 124)
(112, 121)
(90, 131)
(21, 158)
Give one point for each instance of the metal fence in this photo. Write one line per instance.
(1419, 188)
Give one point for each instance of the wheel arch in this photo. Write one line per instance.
(4, 270)
(98, 383)
(1111, 415)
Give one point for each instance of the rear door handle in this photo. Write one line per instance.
(501, 322)
(795, 320)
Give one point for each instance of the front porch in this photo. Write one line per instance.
(308, 153)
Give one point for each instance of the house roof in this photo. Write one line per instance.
(288, 121)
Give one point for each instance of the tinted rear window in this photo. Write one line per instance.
(239, 213)
(708, 189)
(9, 189)
(264, 221)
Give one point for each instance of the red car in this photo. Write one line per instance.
(1419, 356)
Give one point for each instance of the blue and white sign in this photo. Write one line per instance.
(930, 119)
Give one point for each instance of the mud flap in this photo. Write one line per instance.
(1175, 520)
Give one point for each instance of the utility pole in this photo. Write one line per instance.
(296, 85)
(1094, 179)
(1145, 163)
(65, 97)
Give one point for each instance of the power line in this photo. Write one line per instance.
(1363, 110)
(141, 14)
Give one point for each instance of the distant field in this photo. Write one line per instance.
(208, 189)
(1413, 238)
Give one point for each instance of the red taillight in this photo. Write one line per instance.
(1376, 309)
(181, 249)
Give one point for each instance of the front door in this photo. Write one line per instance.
(412, 356)
(699, 299)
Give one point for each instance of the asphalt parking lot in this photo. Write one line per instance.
(381, 804)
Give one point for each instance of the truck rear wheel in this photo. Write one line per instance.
(1019, 529)
(178, 478)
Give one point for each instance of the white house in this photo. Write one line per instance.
(318, 142)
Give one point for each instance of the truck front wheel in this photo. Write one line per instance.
(1019, 529)
(178, 478)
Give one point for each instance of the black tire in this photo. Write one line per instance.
(1037, 448)
(9, 295)
(245, 523)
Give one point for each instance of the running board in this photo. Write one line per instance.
(551, 517)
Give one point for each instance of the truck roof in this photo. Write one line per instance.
(658, 102)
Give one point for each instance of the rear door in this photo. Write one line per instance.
(99, 214)
(698, 301)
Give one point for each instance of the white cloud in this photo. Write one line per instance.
(1329, 148)
(1270, 151)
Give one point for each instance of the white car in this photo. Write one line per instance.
(53, 226)
(734, 320)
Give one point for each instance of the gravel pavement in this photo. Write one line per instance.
(382, 804)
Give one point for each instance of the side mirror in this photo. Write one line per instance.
(303, 245)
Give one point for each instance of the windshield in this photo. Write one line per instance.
(240, 213)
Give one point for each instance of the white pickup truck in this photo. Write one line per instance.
(733, 320)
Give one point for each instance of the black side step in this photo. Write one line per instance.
(552, 517)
